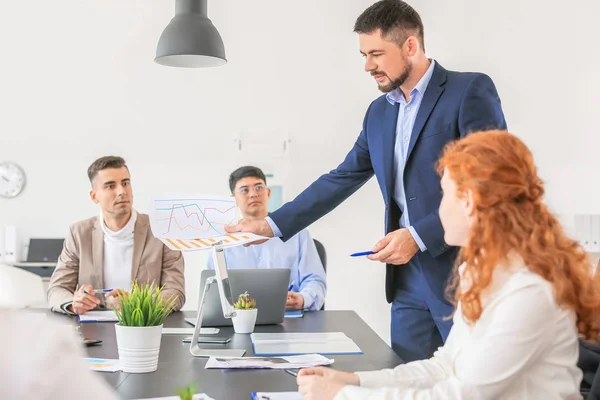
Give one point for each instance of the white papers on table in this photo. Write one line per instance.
(103, 364)
(99, 316)
(305, 361)
(189, 331)
(275, 344)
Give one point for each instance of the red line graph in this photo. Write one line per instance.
(189, 215)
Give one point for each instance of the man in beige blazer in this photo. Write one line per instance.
(112, 250)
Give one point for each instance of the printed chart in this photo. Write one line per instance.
(196, 223)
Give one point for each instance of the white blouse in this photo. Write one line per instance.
(524, 346)
(43, 360)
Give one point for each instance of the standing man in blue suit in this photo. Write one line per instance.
(404, 131)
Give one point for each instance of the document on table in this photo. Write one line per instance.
(103, 364)
(305, 361)
(277, 344)
(277, 396)
(294, 314)
(99, 316)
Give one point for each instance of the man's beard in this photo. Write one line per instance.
(395, 84)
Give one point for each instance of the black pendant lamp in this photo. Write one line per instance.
(190, 40)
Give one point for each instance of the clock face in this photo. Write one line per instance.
(12, 180)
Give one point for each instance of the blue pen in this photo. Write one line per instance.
(291, 286)
(364, 253)
(100, 291)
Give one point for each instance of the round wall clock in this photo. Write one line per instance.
(12, 180)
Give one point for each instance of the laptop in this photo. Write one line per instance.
(268, 286)
(43, 251)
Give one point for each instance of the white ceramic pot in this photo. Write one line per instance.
(244, 320)
(138, 347)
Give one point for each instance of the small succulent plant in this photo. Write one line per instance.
(188, 392)
(245, 302)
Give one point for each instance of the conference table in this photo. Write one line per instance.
(177, 367)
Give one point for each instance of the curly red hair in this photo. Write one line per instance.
(498, 169)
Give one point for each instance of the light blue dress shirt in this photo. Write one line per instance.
(299, 254)
(406, 120)
(404, 129)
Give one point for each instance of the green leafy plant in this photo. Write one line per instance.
(188, 392)
(245, 302)
(144, 306)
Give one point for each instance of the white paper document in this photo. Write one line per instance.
(189, 331)
(191, 223)
(99, 316)
(103, 364)
(277, 396)
(305, 361)
(275, 344)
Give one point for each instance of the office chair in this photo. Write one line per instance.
(323, 257)
(589, 361)
(20, 289)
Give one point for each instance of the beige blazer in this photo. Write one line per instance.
(81, 263)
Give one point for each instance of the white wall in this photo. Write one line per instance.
(544, 60)
(78, 82)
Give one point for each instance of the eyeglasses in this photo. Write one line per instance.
(244, 190)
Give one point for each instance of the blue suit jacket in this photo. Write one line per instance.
(454, 105)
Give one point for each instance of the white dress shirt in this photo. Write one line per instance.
(118, 255)
(524, 346)
(40, 359)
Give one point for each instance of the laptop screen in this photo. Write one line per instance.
(44, 250)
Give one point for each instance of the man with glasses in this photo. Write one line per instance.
(307, 279)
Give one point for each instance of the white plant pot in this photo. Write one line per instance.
(244, 320)
(138, 347)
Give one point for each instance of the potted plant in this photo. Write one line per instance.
(245, 314)
(141, 315)
(187, 393)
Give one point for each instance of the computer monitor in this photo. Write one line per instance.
(44, 250)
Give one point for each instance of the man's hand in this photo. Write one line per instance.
(260, 227)
(322, 383)
(112, 298)
(397, 248)
(83, 302)
(295, 301)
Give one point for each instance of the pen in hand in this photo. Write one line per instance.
(291, 286)
(99, 291)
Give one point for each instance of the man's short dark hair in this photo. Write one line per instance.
(245, 172)
(104, 163)
(395, 18)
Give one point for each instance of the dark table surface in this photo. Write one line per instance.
(177, 367)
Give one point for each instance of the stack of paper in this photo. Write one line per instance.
(99, 316)
(294, 314)
(275, 344)
(277, 396)
(310, 360)
(103, 364)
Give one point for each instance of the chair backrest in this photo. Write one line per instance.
(323, 257)
(20, 289)
(322, 253)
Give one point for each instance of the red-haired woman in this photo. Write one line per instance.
(524, 291)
